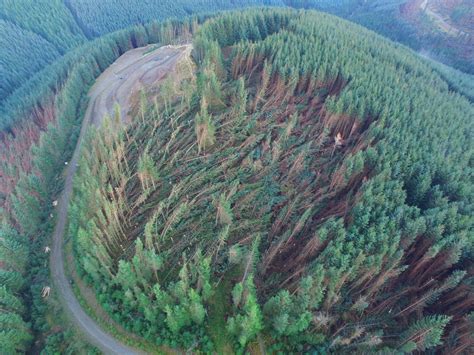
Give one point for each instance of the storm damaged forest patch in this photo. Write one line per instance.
(300, 168)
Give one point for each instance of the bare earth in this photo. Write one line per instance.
(438, 19)
(127, 75)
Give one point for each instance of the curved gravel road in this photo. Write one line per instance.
(129, 73)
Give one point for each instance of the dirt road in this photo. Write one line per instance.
(129, 73)
(439, 20)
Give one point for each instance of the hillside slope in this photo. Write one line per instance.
(32, 35)
(106, 16)
(441, 29)
(445, 29)
(59, 26)
(307, 190)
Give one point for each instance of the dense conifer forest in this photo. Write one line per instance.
(308, 190)
(49, 29)
(44, 30)
(303, 185)
(111, 15)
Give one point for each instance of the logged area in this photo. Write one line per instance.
(445, 29)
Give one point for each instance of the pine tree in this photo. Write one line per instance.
(424, 334)
(247, 322)
(204, 127)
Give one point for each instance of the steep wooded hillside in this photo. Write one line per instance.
(308, 188)
(441, 29)
(34, 34)
(61, 25)
(98, 18)
(49, 112)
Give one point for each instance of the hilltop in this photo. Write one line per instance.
(301, 190)
(297, 184)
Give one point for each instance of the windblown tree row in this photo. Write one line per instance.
(307, 187)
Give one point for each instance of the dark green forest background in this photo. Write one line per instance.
(34, 34)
